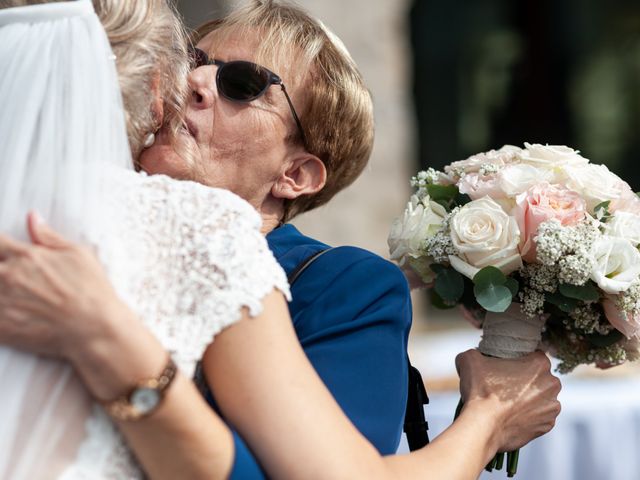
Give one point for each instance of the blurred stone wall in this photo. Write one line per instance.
(375, 33)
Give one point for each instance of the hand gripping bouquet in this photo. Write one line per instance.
(540, 248)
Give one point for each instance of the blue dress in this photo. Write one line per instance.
(351, 311)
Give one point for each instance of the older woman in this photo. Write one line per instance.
(260, 374)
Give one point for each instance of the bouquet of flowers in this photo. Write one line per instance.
(538, 245)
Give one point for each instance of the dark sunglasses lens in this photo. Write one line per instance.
(242, 81)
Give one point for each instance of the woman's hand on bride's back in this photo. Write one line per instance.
(56, 300)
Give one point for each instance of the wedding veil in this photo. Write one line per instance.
(62, 128)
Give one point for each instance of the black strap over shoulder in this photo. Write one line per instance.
(415, 425)
(296, 272)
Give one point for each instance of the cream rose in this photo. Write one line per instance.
(551, 156)
(516, 179)
(421, 219)
(484, 235)
(596, 184)
(616, 264)
(625, 225)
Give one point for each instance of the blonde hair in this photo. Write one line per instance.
(150, 45)
(336, 111)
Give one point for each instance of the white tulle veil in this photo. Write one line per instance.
(62, 127)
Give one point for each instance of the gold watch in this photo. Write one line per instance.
(143, 399)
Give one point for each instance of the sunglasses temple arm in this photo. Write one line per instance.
(295, 115)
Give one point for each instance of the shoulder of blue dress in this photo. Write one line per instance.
(290, 247)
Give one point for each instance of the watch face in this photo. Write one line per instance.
(144, 400)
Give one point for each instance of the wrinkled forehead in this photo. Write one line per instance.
(269, 49)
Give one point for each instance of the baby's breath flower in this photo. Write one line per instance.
(629, 300)
(440, 246)
(542, 278)
(567, 247)
(532, 302)
(489, 169)
(587, 319)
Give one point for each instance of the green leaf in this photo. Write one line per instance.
(437, 268)
(513, 285)
(604, 341)
(493, 298)
(442, 192)
(438, 302)
(461, 199)
(601, 211)
(449, 285)
(489, 276)
(587, 292)
(565, 304)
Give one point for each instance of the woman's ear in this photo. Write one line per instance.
(306, 175)
(157, 103)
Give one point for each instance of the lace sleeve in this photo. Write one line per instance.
(205, 261)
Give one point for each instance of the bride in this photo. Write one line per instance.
(186, 258)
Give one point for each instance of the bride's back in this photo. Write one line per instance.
(61, 125)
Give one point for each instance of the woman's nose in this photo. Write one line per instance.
(202, 84)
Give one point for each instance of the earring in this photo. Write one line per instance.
(149, 140)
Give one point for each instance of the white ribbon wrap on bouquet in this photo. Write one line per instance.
(510, 334)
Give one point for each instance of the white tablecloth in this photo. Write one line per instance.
(597, 436)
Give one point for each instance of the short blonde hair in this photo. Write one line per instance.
(150, 45)
(337, 110)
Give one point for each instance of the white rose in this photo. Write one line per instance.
(421, 219)
(616, 264)
(517, 179)
(625, 225)
(595, 183)
(484, 235)
(551, 156)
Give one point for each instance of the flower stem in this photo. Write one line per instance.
(512, 463)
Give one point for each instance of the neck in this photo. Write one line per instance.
(271, 211)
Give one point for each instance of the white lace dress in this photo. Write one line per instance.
(187, 259)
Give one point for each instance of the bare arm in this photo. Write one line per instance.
(269, 391)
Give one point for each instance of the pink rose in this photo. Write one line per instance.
(622, 321)
(541, 203)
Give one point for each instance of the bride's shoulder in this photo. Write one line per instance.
(189, 200)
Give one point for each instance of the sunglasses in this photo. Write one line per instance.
(243, 82)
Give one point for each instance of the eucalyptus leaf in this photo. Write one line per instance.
(442, 192)
(438, 302)
(437, 267)
(449, 285)
(493, 298)
(565, 304)
(604, 341)
(461, 199)
(513, 285)
(489, 276)
(587, 292)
